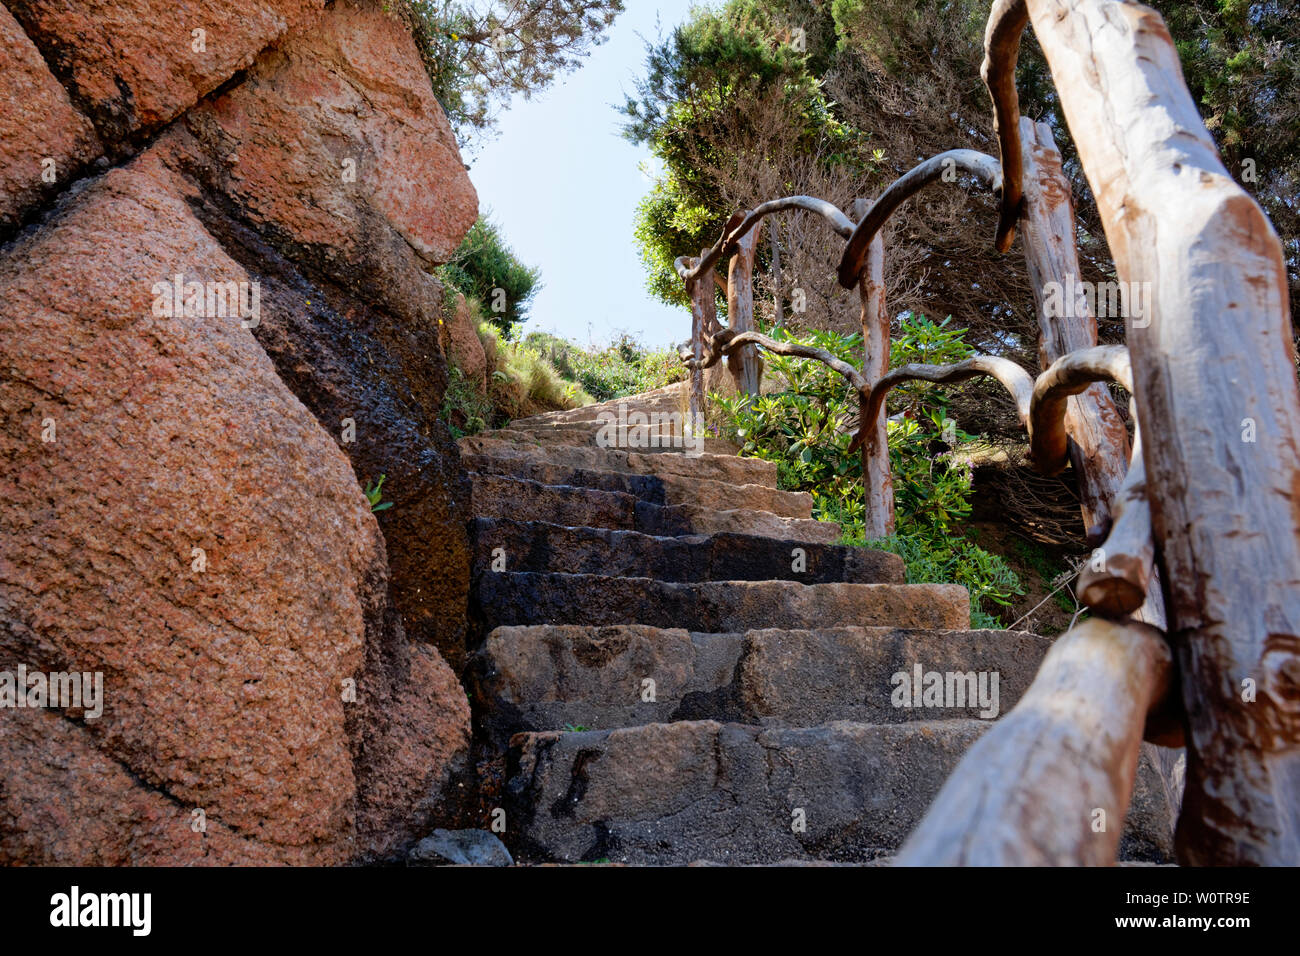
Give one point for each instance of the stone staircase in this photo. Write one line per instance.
(677, 664)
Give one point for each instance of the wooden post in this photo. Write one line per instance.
(778, 283)
(1099, 449)
(1217, 396)
(877, 479)
(745, 365)
(704, 321)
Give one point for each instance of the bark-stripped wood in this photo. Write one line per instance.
(1001, 50)
(740, 224)
(1100, 450)
(1029, 791)
(980, 165)
(1118, 577)
(1011, 376)
(877, 477)
(1217, 393)
(1068, 376)
(778, 281)
(704, 320)
(744, 364)
(725, 341)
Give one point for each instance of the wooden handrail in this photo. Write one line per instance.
(1001, 49)
(1216, 387)
(1049, 784)
(741, 223)
(980, 165)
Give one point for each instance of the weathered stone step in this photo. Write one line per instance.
(648, 441)
(728, 468)
(539, 546)
(537, 678)
(501, 598)
(497, 496)
(735, 793)
(656, 489)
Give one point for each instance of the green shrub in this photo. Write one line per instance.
(465, 409)
(806, 428)
(521, 381)
(625, 367)
(485, 268)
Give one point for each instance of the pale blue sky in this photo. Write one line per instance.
(563, 185)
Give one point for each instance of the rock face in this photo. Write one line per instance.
(134, 65)
(186, 515)
(463, 346)
(43, 140)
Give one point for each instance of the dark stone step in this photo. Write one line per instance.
(506, 598)
(728, 468)
(540, 546)
(498, 496)
(692, 791)
(655, 489)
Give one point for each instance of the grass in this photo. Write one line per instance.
(521, 381)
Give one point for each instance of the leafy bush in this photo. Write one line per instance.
(485, 268)
(625, 367)
(806, 428)
(521, 381)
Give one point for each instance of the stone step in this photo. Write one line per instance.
(728, 468)
(734, 793)
(538, 678)
(656, 489)
(497, 496)
(678, 793)
(528, 597)
(538, 546)
(648, 441)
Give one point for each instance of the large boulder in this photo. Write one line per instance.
(133, 65)
(353, 327)
(44, 141)
(194, 532)
(463, 346)
(223, 666)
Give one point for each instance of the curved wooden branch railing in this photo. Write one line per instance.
(1010, 375)
(741, 223)
(1117, 582)
(725, 341)
(980, 165)
(1212, 359)
(1001, 50)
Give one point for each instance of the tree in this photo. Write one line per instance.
(486, 269)
(1241, 62)
(731, 111)
(735, 102)
(480, 53)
